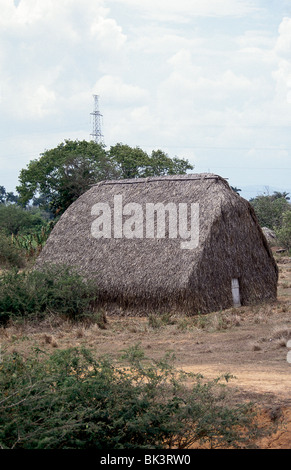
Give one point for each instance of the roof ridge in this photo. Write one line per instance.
(155, 179)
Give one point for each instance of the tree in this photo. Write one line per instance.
(284, 233)
(15, 220)
(235, 189)
(278, 195)
(136, 163)
(269, 210)
(161, 164)
(7, 197)
(62, 174)
(130, 162)
(2, 195)
(11, 198)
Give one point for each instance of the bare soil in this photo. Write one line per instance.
(248, 342)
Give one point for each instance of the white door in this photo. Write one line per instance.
(235, 292)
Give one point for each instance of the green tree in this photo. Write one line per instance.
(136, 163)
(16, 220)
(11, 198)
(130, 162)
(62, 174)
(270, 210)
(161, 164)
(235, 189)
(278, 195)
(5, 197)
(2, 195)
(284, 232)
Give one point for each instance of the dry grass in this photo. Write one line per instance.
(234, 334)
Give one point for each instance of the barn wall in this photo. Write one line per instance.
(235, 249)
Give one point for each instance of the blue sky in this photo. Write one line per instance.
(209, 81)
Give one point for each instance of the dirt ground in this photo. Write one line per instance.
(247, 342)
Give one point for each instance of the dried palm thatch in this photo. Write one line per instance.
(143, 274)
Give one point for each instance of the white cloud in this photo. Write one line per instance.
(107, 31)
(282, 51)
(192, 76)
(159, 41)
(255, 39)
(191, 85)
(115, 92)
(182, 11)
(38, 102)
(51, 52)
(283, 45)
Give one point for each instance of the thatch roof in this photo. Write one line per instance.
(270, 236)
(143, 274)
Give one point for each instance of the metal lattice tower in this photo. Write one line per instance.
(97, 133)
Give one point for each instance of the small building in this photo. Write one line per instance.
(182, 243)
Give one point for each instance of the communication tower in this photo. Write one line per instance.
(97, 133)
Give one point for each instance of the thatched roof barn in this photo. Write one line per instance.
(142, 262)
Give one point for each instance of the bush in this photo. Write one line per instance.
(284, 233)
(10, 255)
(269, 210)
(15, 219)
(69, 400)
(56, 288)
(32, 243)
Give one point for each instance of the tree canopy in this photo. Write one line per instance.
(274, 211)
(136, 163)
(15, 220)
(7, 197)
(62, 174)
(270, 209)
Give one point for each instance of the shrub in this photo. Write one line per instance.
(32, 243)
(10, 255)
(15, 219)
(269, 210)
(69, 400)
(284, 233)
(157, 321)
(56, 288)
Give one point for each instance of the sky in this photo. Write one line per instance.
(209, 81)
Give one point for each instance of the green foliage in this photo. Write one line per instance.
(10, 255)
(235, 189)
(130, 162)
(279, 195)
(70, 400)
(31, 244)
(157, 321)
(62, 174)
(15, 220)
(135, 163)
(270, 209)
(23, 234)
(161, 164)
(2, 195)
(55, 288)
(284, 232)
(7, 197)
